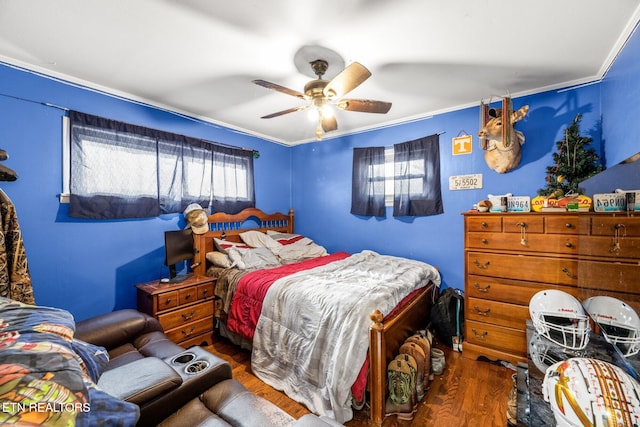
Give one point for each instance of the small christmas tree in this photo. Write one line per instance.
(574, 162)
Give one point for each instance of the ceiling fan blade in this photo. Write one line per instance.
(283, 112)
(347, 80)
(329, 123)
(279, 88)
(364, 105)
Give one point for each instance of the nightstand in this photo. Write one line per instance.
(185, 309)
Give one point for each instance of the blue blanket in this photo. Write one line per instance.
(47, 377)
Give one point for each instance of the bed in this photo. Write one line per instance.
(254, 304)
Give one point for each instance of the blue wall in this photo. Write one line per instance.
(621, 105)
(322, 180)
(90, 267)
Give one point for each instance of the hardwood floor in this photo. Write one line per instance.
(468, 393)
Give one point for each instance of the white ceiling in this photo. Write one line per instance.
(198, 57)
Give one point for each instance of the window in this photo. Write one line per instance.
(118, 170)
(406, 177)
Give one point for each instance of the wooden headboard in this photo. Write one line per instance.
(229, 226)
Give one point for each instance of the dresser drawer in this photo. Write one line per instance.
(190, 330)
(609, 247)
(498, 337)
(205, 291)
(607, 226)
(531, 223)
(563, 225)
(497, 313)
(188, 295)
(187, 314)
(484, 223)
(543, 243)
(510, 291)
(167, 300)
(562, 271)
(623, 277)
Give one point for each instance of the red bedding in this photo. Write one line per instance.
(246, 304)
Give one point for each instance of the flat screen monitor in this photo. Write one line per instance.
(178, 247)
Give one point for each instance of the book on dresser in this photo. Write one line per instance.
(511, 256)
(184, 309)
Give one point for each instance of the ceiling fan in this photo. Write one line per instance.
(323, 93)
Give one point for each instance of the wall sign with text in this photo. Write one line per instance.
(465, 182)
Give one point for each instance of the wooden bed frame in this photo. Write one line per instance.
(385, 337)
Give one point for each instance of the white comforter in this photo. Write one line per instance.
(312, 336)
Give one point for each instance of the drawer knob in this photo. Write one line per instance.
(205, 292)
(568, 244)
(485, 241)
(484, 224)
(187, 333)
(522, 224)
(188, 316)
(481, 335)
(481, 312)
(187, 296)
(485, 289)
(568, 273)
(482, 266)
(568, 225)
(168, 301)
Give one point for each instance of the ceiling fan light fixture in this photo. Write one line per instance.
(323, 95)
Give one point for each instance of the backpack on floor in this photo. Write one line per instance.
(447, 317)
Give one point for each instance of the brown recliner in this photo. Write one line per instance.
(128, 335)
(148, 369)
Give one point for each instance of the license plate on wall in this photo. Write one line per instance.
(465, 182)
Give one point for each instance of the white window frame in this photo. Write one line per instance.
(389, 176)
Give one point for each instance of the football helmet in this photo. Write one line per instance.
(559, 317)
(620, 324)
(544, 353)
(591, 392)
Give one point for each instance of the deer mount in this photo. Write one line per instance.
(499, 140)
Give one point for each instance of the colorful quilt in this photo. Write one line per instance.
(47, 377)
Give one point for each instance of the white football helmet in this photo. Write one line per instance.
(591, 392)
(559, 317)
(620, 324)
(544, 353)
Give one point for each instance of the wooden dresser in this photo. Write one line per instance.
(508, 258)
(511, 256)
(610, 257)
(185, 309)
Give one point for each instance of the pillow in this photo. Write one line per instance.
(218, 259)
(258, 239)
(253, 258)
(224, 245)
(285, 238)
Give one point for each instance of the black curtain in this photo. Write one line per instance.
(417, 177)
(232, 190)
(367, 183)
(119, 170)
